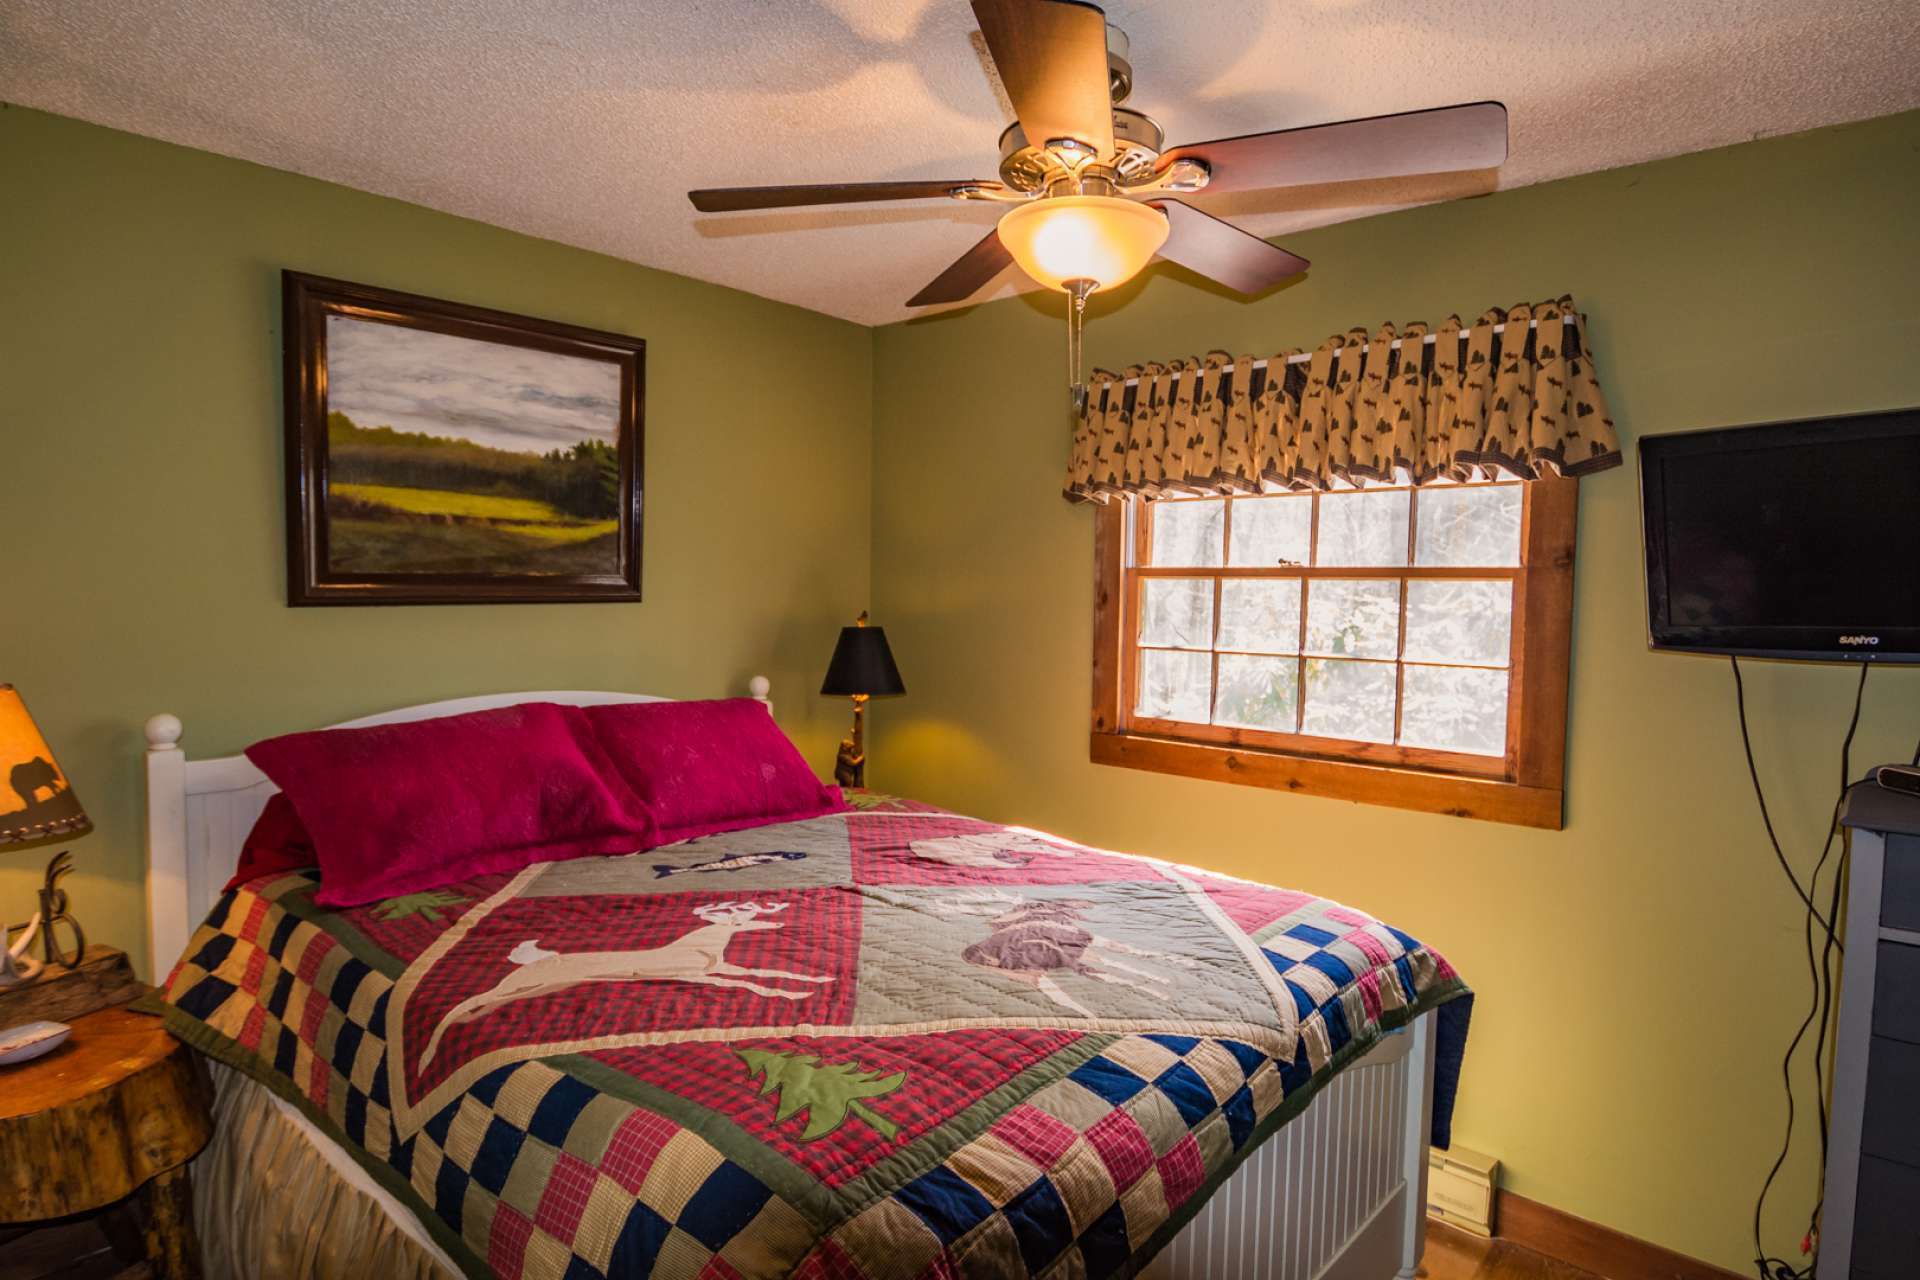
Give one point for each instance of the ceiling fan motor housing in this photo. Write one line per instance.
(1137, 139)
(1119, 64)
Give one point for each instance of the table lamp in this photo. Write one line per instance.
(37, 804)
(862, 668)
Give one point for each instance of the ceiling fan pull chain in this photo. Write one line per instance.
(1077, 291)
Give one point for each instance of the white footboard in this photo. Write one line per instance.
(1340, 1193)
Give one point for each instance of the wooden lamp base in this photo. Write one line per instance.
(103, 979)
(850, 769)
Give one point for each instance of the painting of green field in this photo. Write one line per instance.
(449, 455)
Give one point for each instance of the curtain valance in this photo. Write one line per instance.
(1453, 403)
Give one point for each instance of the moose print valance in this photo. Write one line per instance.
(1513, 394)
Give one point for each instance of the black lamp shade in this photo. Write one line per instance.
(862, 664)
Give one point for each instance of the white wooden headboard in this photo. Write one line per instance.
(199, 811)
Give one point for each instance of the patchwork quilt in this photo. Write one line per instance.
(893, 1042)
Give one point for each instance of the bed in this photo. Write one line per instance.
(843, 1047)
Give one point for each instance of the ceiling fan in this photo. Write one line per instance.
(1093, 190)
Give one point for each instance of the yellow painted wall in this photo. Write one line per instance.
(142, 544)
(1640, 972)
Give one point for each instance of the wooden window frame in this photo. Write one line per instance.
(1526, 786)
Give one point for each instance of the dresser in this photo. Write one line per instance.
(1871, 1225)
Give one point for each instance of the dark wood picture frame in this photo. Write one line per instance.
(306, 302)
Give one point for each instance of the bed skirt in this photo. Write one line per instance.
(271, 1201)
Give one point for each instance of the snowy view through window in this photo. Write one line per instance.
(1367, 615)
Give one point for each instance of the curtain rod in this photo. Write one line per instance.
(1306, 356)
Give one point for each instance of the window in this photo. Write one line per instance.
(1389, 644)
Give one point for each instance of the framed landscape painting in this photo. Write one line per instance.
(445, 454)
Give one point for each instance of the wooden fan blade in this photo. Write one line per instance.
(1052, 57)
(968, 275)
(736, 199)
(1441, 140)
(1221, 251)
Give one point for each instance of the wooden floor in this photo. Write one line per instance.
(1453, 1254)
(77, 1251)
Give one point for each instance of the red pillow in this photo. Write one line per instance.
(398, 808)
(706, 767)
(278, 843)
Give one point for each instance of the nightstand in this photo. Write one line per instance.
(116, 1111)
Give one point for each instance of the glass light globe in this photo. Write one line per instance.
(1100, 238)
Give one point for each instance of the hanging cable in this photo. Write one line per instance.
(1821, 1046)
(1820, 972)
(1753, 771)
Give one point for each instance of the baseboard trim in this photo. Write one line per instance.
(1613, 1254)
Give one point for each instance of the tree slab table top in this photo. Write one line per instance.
(119, 1108)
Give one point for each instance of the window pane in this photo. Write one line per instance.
(1349, 700)
(1174, 685)
(1178, 612)
(1260, 614)
(1188, 533)
(1257, 693)
(1455, 620)
(1364, 528)
(1469, 524)
(1456, 709)
(1271, 531)
(1354, 617)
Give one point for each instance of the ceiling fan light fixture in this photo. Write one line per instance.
(1104, 239)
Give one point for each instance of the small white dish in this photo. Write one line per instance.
(28, 1041)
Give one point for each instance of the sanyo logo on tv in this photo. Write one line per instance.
(1859, 640)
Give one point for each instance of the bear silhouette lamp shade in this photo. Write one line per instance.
(37, 804)
(862, 668)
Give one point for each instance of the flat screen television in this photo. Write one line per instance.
(1789, 540)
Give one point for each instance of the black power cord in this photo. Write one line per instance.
(1753, 771)
(1820, 971)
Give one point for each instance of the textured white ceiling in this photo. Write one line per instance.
(585, 121)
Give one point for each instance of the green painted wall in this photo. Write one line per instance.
(140, 477)
(1640, 972)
